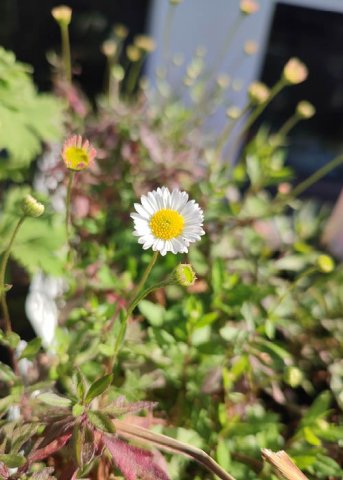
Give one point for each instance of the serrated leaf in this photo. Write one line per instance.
(12, 460)
(54, 400)
(98, 387)
(31, 349)
(101, 421)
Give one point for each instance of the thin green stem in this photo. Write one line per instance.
(4, 261)
(301, 187)
(145, 293)
(66, 56)
(68, 204)
(167, 33)
(288, 125)
(134, 72)
(145, 275)
(260, 108)
(224, 136)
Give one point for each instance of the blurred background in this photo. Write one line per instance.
(309, 29)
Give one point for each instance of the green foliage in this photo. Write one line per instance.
(27, 118)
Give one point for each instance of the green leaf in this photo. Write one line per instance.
(154, 313)
(101, 421)
(54, 400)
(98, 387)
(311, 438)
(11, 460)
(31, 349)
(6, 373)
(77, 409)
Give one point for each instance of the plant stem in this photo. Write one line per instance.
(66, 52)
(301, 187)
(167, 33)
(288, 125)
(4, 261)
(68, 204)
(142, 281)
(134, 72)
(172, 445)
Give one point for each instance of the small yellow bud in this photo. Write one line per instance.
(109, 48)
(31, 207)
(249, 7)
(233, 112)
(120, 31)
(325, 263)
(175, 2)
(118, 72)
(133, 53)
(223, 80)
(145, 43)
(295, 71)
(258, 93)
(305, 109)
(62, 14)
(250, 47)
(185, 275)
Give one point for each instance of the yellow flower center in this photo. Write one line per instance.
(167, 224)
(76, 158)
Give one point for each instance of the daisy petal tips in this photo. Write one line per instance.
(167, 221)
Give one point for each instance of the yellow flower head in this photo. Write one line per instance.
(77, 155)
(248, 7)
(62, 14)
(250, 47)
(295, 71)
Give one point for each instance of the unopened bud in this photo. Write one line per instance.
(249, 7)
(305, 109)
(109, 48)
(31, 207)
(175, 2)
(258, 93)
(120, 31)
(293, 376)
(325, 263)
(62, 14)
(250, 47)
(133, 53)
(223, 80)
(145, 43)
(295, 71)
(185, 275)
(233, 112)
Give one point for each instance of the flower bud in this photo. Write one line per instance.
(120, 31)
(145, 43)
(250, 47)
(175, 2)
(295, 71)
(233, 112)
(305, 109)
(325, 263)
(133, 53)
(62, 15)
(31, 207)
(293, 376)
(249, 7)
(185, 275)
(109, 48)
(258, 93)
(223, 80)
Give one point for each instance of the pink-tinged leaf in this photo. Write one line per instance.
(49, 449)
(134, 462)
(4, 472)
(122, 407)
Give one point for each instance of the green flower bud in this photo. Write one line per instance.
(185, 275)
(31, 207)
(293, 376)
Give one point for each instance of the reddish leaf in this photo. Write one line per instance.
(122, 407)
(52, 447)
(4, 472)
(134, 462)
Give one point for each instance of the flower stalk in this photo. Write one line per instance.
(68, 204)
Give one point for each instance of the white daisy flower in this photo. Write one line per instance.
(167, 221)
